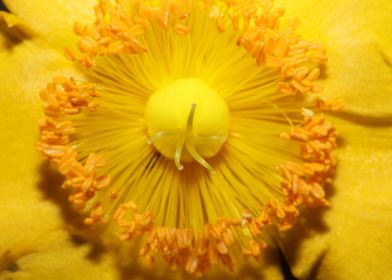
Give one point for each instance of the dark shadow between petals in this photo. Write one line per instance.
(80, 234)
(365, 120)
(3, 7)
(311, 223)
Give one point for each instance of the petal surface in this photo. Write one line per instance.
(351, 239)
(358, 37)
(33, 241)
(54, 255)
(54, 19)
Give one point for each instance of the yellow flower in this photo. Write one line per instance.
(325, 246)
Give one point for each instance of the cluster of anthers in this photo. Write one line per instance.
(118, 29)
(61, 98)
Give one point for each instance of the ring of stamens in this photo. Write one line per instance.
(302, 178)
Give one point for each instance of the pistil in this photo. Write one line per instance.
(187, 135)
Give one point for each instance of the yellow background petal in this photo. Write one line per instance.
(54, 255)
(358, 36)
(25, 68)
(33, 242)
(352, 239)
(53, 19)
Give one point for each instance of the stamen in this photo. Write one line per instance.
(333, 105)
(307, 112)
(283, 113)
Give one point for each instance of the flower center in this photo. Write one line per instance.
(168, 71)
(187, 121)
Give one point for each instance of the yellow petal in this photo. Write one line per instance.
(33, 241)
(351, 240)
(358, 36)
(24, 214)
(25, 70)
(54, 19)
(55, 256)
